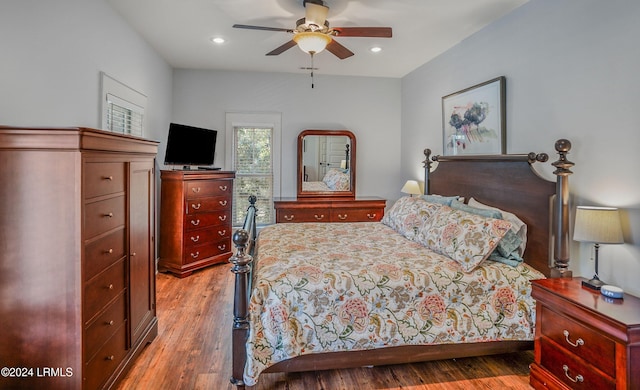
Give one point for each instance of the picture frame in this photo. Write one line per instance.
(474, 119)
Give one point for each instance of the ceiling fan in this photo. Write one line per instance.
(313, 34)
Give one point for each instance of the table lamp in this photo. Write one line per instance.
(599, 225)
(411, 187)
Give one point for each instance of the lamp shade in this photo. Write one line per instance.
(600, 225)
(411, 187)
(312, 42)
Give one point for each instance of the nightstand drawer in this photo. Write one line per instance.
(571, 370)
(579, 340)
(201, 220)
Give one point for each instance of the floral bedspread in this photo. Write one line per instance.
(357, 286)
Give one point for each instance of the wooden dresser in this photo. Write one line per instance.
(78, 269)
(195, 219)
(359, 209)
(584, 340)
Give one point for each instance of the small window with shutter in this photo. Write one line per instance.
(123, 107)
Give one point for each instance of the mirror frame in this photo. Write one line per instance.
(352, 165)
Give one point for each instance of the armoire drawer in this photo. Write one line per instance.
(103, 288)
(105, 362)
(104, 326)
(102, 253)
(102, 178)
(104, 215)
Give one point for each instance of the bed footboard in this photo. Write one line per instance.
(244, 240)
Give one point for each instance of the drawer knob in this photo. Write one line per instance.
(578, 342)
(319, 217)
(110, 323)
(223, 203)
(195, 190)
(372, 216)
(109, 215)
(110, 357)
(222, 232)
(196, 206)
(109, 251)
(133, 254)
(288, 217)
(222, 247)
(222, 218)
(195, 239)
(223, 188)
(111, 286)
(342, 217)
(195, 222)
(577, 379)
(110, 178)
(195, 255)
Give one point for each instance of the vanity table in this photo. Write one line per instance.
(326, 182)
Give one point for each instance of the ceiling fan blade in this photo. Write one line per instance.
(376, 32)
(249, 27)
(282, 48)
(338, 50)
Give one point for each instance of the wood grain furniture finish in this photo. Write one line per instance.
(584, 340)
(361, 209)
(525, 194)
(195, 219)
(78, 269)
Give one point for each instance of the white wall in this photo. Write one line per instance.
(369, 107)
(52, 55)
(572, 72)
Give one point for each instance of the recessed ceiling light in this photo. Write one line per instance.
(217, 40)
(376, 49)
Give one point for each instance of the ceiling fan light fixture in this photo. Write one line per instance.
(312, 42)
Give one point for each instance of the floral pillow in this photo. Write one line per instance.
(517, 226)
(507, 250)
(336, 180)
(408, 214)
(464, 237)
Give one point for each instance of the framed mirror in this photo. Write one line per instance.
(326, 164)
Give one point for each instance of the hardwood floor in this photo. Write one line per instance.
(193, 351)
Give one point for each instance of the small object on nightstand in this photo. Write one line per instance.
(611, 291)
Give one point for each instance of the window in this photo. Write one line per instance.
(122, 107)
(253, 152)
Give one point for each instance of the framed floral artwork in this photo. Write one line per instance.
(474, 119)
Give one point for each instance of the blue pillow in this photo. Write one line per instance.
(445, 200)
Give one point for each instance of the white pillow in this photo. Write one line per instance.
(517, 226)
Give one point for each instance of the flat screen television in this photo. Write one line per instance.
(190, 146)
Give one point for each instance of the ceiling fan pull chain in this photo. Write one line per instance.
(311, 69)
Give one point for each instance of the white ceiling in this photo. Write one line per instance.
(180, 30)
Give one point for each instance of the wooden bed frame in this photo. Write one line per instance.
(504, 181)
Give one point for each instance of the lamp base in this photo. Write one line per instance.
(594, 284)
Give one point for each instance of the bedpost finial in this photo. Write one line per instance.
(252, 200)
(427, 162)
(563, 165)
(563, 145)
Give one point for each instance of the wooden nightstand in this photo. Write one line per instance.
(584, 340)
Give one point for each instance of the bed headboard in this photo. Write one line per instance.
(510, 183)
